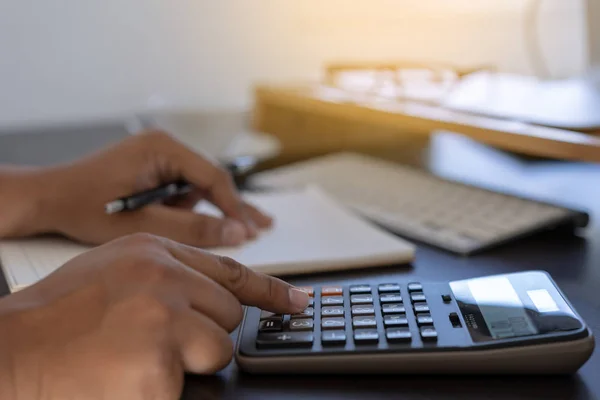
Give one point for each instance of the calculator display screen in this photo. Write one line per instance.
(499, 307)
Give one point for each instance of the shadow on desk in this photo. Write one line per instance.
(412, 387)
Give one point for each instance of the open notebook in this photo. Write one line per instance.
(311, 233)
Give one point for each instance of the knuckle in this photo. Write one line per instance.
(235, 274)
(142, 239)
(148, 309)
(154, 272)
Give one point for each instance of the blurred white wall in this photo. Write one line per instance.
(67, 60)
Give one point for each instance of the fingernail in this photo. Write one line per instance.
(233, 233)
(298, 298)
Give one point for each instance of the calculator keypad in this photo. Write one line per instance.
(359, 314)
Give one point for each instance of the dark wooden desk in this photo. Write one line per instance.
(574, 262)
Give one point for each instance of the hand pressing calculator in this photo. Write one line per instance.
(517, 323)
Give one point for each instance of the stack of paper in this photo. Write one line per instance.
(311, 233)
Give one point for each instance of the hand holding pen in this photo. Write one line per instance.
(149, 183)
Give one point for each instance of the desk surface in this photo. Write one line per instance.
(574, 262)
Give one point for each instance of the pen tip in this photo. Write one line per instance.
(114, 207)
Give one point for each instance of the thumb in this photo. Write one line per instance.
(188, 227)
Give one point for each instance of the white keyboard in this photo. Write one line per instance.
(419, 205)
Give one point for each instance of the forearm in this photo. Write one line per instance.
(6, 369)
(21, 205)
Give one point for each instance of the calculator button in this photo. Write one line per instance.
(415, 287)
(307, 313)
(271, 325)
(421, 307)
(389, 287)
(332, 300)
(287, 339)
(365, 336)
(398, 335)
(393, 308)
(390, 298)
(333, 323)
(418, 296)
(269, 315)
(364, 322)
(428, 333)
(395, 320)
(301, 324)
(334, 311)
(309, 290)
(363, 310)
(446, 298)
(331, 291)
(361, 299)
(455, 320)
(424, 319)
(355, 289)
(333, 337)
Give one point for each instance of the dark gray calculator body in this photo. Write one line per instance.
(514, 324)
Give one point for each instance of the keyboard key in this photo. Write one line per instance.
(333, 337)
(446, 298)
(415, 287)
(398, 335)
(332, 300)
(428, 333)
(417, 296)
(287, 339)
(361, 299)
(331, 291)
(389, 287)
(309, 290)
(421, 307)
(301, 324)
(269, 315)
(307, 313)
(356, 289)
(365, 336)
(363, 310)
(364, 322)
(390, 298)
(333, 323)
(424, 319)
(311, 301)
(271, 325)
(395, 320)
(334, 311)
(393, 308)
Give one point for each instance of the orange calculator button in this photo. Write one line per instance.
(332, 291)
(309, 290)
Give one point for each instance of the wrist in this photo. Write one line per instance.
(21, 201)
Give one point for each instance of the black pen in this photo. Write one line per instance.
(238, 167)
(141, 199)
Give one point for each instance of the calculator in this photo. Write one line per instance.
(519, 323)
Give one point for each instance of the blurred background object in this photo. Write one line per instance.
(71, 61)
(100, 62)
